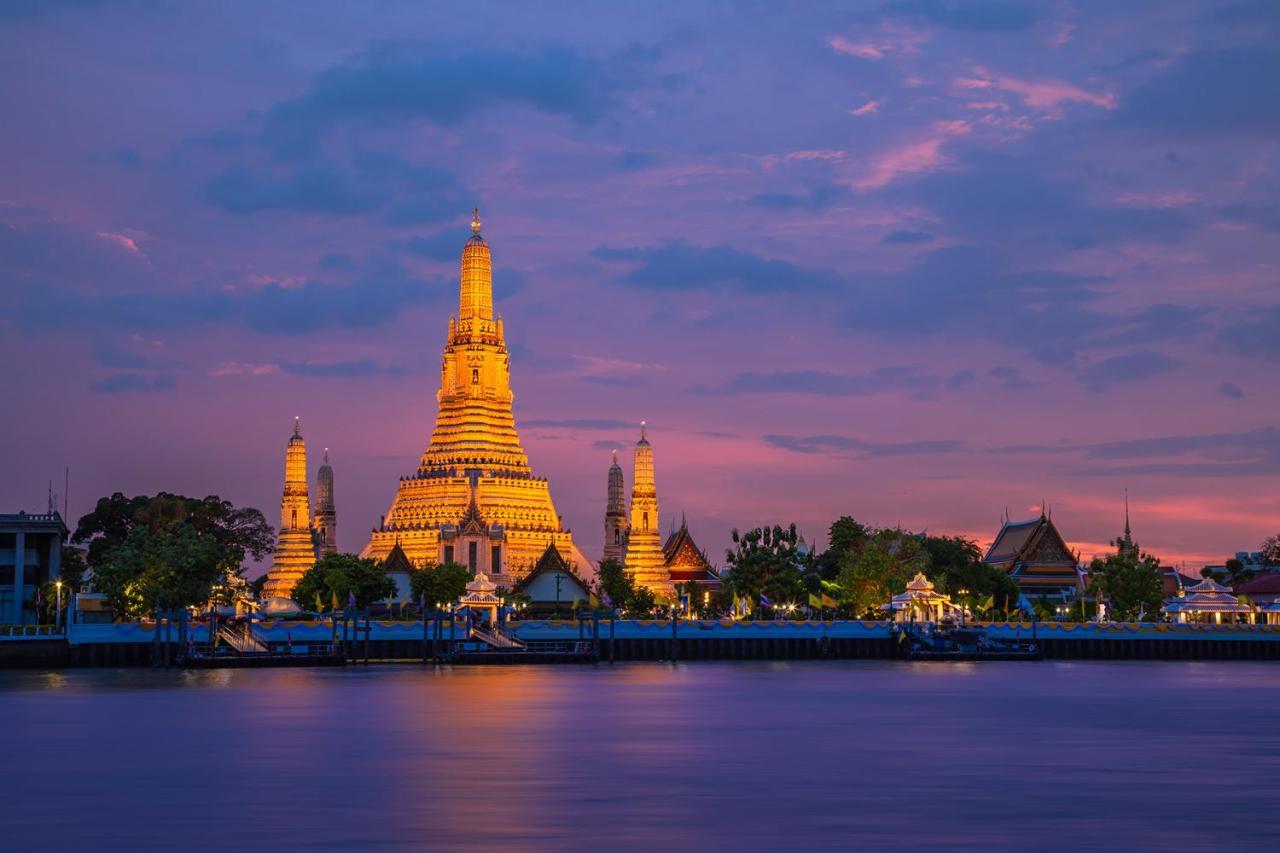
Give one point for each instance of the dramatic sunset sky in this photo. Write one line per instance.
(916, 261)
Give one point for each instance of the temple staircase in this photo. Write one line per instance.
(242, 639)
(496, 639)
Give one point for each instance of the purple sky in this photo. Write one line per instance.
(913, 261)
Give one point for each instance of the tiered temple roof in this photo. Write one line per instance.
(474, 455)
(1036, 556)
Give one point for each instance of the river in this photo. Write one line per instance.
(713, 756)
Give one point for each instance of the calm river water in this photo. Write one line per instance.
(867, 755)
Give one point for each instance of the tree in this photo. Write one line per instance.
(1130, 580)
(167, 551)
(341, 576)
(871, 575)
(616, 583)
(955, 564)
(440, 585)
(768, 561)
(844, 536)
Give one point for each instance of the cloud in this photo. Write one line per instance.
(1226, 454)
(1129, 367)
(843, 445)
(967, 14)
(1256, 336)
(119, 383)
(371, 301)
(314, 188)
(819, 198)
(1042, 94)
(902, 238)
(1231, 390)
(356, 369)
(401, 81)
(579, 423)
(828, 384)
(676, 266)
(1234, 90)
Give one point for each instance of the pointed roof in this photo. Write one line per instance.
(550, 562)
(1018, 541)
(397, 560)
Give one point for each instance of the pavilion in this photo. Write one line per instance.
(1207, 601)
(922, 603)
(481, 597)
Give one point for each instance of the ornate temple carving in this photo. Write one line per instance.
(295, 550)
(474, 458)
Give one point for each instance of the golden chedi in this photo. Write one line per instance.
(645, 561)
(473, 499)
(295, 548)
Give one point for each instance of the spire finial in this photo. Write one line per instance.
(297, 425)
(475, 221)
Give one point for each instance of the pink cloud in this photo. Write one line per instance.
(1037, 94)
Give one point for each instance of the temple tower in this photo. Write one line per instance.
(295, 548)
(615, 515)
(473, 486)
(326, 520)
(645, 561)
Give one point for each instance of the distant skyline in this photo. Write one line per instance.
(914, 261)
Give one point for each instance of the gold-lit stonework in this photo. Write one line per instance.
(645, 561)
(295, 548)
(474, 499)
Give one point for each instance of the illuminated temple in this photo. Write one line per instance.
(473, 499)
(295, 550)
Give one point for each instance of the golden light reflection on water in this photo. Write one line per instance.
(646, 756)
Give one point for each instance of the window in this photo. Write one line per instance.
(475, 376)
(471, 556)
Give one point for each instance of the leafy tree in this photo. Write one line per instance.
(616, 583)
(769, 561)
(341, 575)
(845, 535)
(1271, 551)
(168, 550)
(440, 585)
(879, 570)
(1130, 580)
(955, 564)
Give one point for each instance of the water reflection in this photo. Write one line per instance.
(644, 757)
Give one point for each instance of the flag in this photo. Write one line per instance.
(764, 601)
(815, 601)
(828, 601)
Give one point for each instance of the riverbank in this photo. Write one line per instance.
(137, 644)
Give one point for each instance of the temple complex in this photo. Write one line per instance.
(325, 522)
(296, 545)
(1037, 558)
(473, 498)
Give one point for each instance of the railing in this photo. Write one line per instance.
(30, 632)
(496, 638)
(242, 640)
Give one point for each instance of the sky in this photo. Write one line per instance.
(921, 262)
